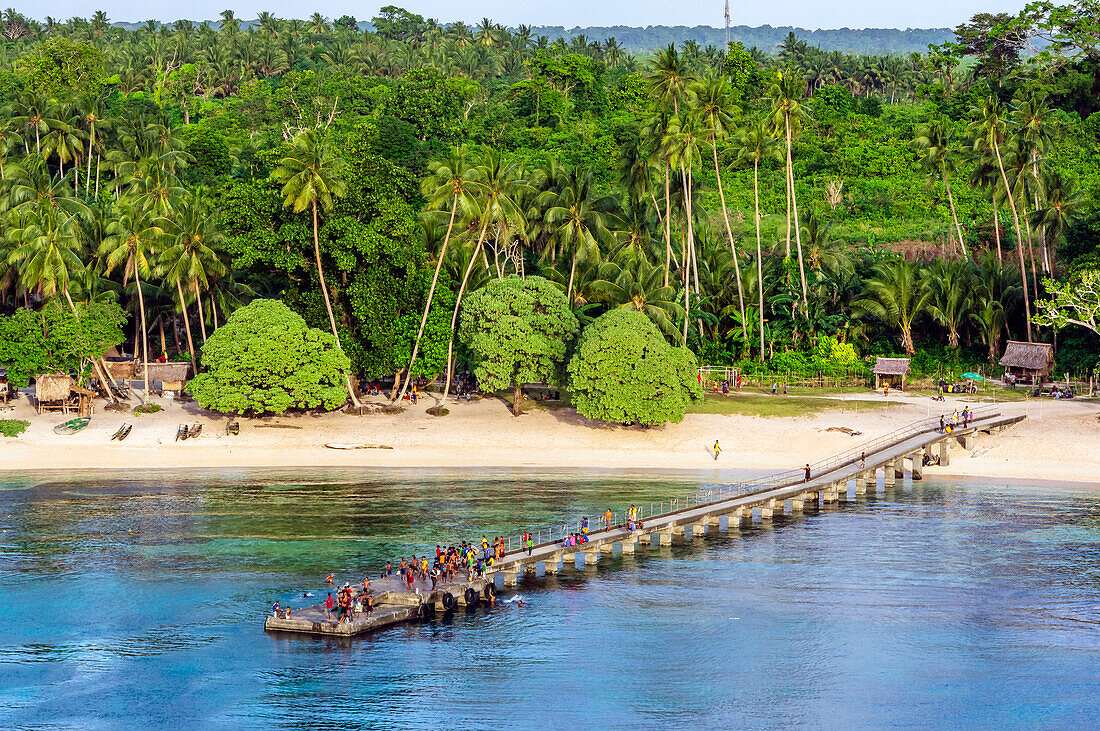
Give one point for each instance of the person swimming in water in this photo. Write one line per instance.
(330, 578)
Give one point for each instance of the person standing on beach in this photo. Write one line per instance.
(717, 450)
(774, 387)
(784, 389)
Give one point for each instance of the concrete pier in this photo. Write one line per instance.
(394, 603)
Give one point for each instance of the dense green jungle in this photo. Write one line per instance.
(794, 209)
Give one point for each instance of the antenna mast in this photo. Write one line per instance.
(727, 26)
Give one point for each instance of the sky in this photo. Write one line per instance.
(568, 13)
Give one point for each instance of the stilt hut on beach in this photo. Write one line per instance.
(891, 371)
(172, 376)
(51, 392)
(1028, 362)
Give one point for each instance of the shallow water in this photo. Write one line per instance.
(143, 595)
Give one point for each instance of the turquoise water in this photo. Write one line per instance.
(142, 596)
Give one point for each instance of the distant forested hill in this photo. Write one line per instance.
(877, 41)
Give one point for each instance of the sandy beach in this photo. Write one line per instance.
(1060, 440)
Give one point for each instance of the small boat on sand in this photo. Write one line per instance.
(72, 426)
(122, 433)
(181, 432)
(194, 431)
(233, 428)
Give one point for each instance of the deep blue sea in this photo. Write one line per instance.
(137, 600)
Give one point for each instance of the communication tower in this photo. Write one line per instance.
(727, 26)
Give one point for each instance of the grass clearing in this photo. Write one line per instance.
(768, 406)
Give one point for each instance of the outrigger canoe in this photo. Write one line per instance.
(72, 426)
(340, 445)
(122, 433)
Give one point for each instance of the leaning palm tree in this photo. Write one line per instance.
(895, 295)
(132, 240)
(312, 177)
(934, 142)
(714, 106)
(787, 115)
(756, 143)
(451, 180)
(988, 131)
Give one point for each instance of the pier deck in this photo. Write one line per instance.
(733, 504)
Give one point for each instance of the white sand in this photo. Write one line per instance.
(1059, 440)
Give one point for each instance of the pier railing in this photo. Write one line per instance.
(718, 493)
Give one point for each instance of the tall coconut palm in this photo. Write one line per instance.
(950, 283)
(1034, 120)
(1060, 206)
(578, 220)
(683, 142)
(191, 258)
(632, 282)
(988, 132)
(669, 78)
(46, 249)
(787, 115)
(937, 148)
(312, 177)
(756, 143)
(714, 106)
(453, 182)
(895, 295)
(133, 238)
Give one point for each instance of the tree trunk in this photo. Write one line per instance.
(328, 303)
(759, 250)
(431, 290)
(797, 229)
(97, 365)
(686, 179)
(517, 399)
(954, 217)
(1019, 237)
(733, 248)
(454, 316)
(668, 228)
(997, 227)
(91, 142)
(144, 336)
(572, 273)
(187, 327)
(198, 306)
(397, 384)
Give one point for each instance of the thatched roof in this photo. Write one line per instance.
(81, 390)
(165, 371)
(52, 386)
(121, 370)
(1029, 356)
(891, 366)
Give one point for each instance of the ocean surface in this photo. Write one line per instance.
(138, 599)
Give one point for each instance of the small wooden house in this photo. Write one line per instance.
(172, 376)
(1028, 362)
(891, 371)
(51, 392)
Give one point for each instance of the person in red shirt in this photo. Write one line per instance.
(329, 604)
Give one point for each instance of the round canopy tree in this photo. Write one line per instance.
(265, 360)
(517, 331)
(625, 371)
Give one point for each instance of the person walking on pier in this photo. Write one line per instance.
(807, 478)
(862, 460)
(717, 450)
(607, 519)
(584, 525)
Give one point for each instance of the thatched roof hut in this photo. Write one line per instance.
(891, 370)
(1030, 360)
(121, 370)
(52, 387)
(166, 372)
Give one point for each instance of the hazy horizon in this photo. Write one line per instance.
(856, 14)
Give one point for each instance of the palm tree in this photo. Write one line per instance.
(934, 142)
(682, 143)
(191, 258)
(578, 221)
(787, 114)
(632, 282)
(450, 180)
(47, 250)
(988, 131)
(1034, 120)
(755, 143)
(716, 109)
(1061, 205)
(950, 283)
(312, 176)
(669, 78)
(132, 240)
(895, 295)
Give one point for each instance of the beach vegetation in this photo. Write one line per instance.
(266, 360)
(517, 331)
(624, 371)
(12, 428)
